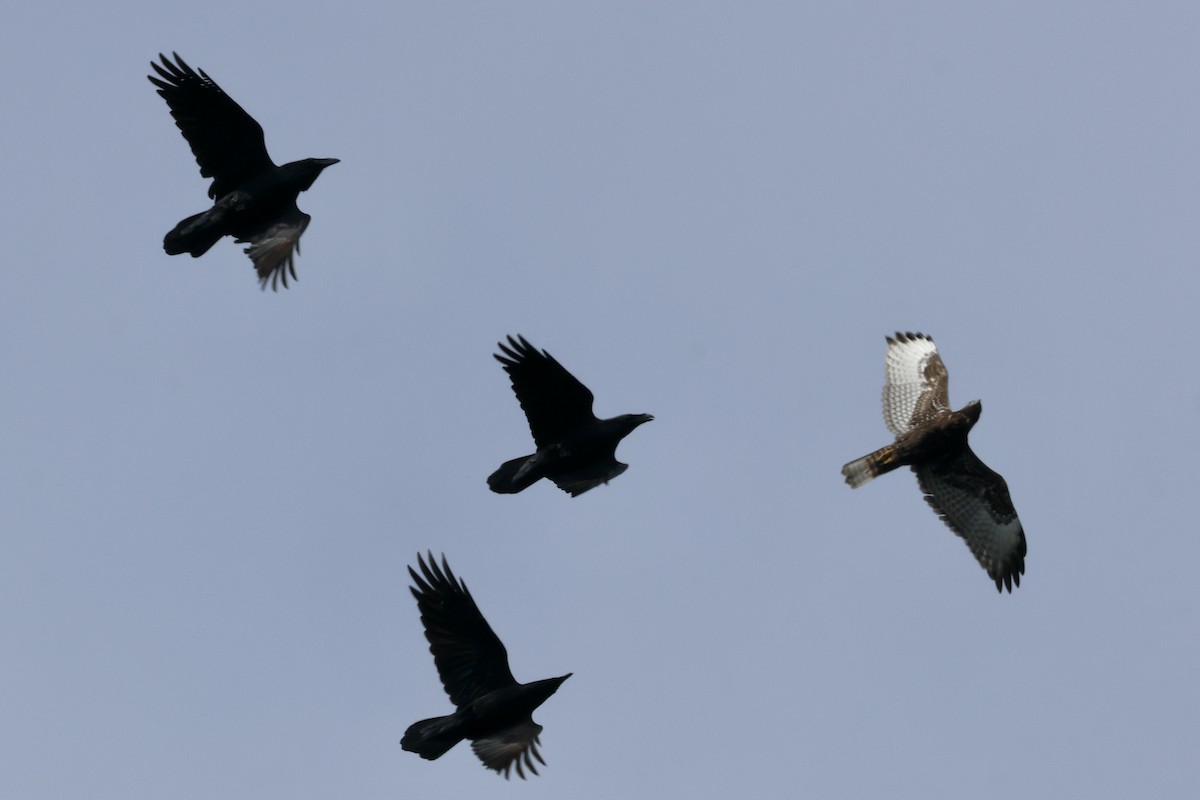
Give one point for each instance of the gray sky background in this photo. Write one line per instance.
(712, 213)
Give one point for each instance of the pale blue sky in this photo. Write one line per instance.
(713, 213)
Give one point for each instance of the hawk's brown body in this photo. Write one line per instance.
(944, 436)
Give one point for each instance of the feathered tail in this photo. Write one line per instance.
(196, 234)
(201, 231)
(515, 475)
(861, 470)
(431, 738)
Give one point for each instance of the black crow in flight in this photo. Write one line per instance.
(575, 450)
(494, 711)
(255, 200)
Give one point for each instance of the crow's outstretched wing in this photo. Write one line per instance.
(227, 142)
(510, 747)
(588, 476)
(470, 658)
(555, 402)
(273, 248)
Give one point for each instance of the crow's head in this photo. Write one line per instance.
(310, 168)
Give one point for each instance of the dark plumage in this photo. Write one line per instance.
(494, 711)
(970, 498)
(575, 450)
(255, 200)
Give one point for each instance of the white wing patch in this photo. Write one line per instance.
(904, 380)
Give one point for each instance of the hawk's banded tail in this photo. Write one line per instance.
(858, 472)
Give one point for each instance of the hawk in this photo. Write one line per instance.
(254, 200)
(575, 450)
(970, 498)
(494, 711)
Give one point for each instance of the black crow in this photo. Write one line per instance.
(255, 200)
(575, 450)
(494, 711)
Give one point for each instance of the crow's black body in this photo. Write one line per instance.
(575, 450)
(255, 200)
(494, 711)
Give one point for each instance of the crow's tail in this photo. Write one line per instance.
(202, 230)
(199, 232)
(515, 475)
(431, 738)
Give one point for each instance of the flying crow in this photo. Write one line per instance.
(575, 450)
(255, 200)
(494, 711)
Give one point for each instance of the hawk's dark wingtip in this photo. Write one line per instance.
(1011, 578)
(908, 336)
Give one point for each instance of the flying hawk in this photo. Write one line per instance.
(494, 711)
(970, 498)
(254, 200)
(575, 450)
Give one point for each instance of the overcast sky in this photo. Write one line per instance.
(712, 213)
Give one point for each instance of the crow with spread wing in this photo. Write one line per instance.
(254, 199)
(494, 711)
(575, 450)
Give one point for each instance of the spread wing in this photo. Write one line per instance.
(555, 402)
(470, 658)
(588, 476)
(273, 249)
(227, 142)
(510, 747)
(974, 501)
(915, 387)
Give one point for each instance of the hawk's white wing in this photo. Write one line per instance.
(914, 384)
